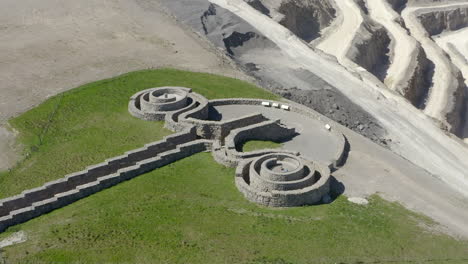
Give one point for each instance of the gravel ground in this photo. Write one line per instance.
(291, 69)
(332, 104)
(50, 46)
(253, 52)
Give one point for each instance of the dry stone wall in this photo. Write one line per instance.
(229, 154)
(187, 114)
(280, 180)
(73, 187)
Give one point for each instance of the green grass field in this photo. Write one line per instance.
(259, 144)
(91, 123)
(189, 211)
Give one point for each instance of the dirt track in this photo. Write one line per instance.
(444, 82)
(50, 46)
(405, 45)
(337, 42)
(418, 139)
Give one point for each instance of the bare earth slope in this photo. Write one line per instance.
(50, 46)
(338, 42)
(404, 72)
(455, 44)
(443, 101)
(419, 140)
(380, 171)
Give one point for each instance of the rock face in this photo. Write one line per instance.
(237, 39)
(363, 5)
(440, 20)
(371, 49)
(436, 21)
(398, 5)
(246, 45)
(205, 18)
(429, 81)
(306, 18)
(257, 4)
(226, 31)
(456, 116)
(420, 81)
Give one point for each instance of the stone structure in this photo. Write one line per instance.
(153, 104)
(269, 177)
(282, 180)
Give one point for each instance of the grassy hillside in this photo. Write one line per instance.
(91, 123)
(189, 211)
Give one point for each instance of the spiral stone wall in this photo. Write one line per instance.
(269, 177)
(155, 103)
(282, 180)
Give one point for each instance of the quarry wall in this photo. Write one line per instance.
(435, 21)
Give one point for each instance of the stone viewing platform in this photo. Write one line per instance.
(296, 175)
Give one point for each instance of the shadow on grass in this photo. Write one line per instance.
(337, 188)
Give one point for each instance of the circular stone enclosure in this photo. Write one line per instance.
(282, 168)
(164, 99)
(283, 180)
(154, 103)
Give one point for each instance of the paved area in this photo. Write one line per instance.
(370, 169)
(313, 142)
